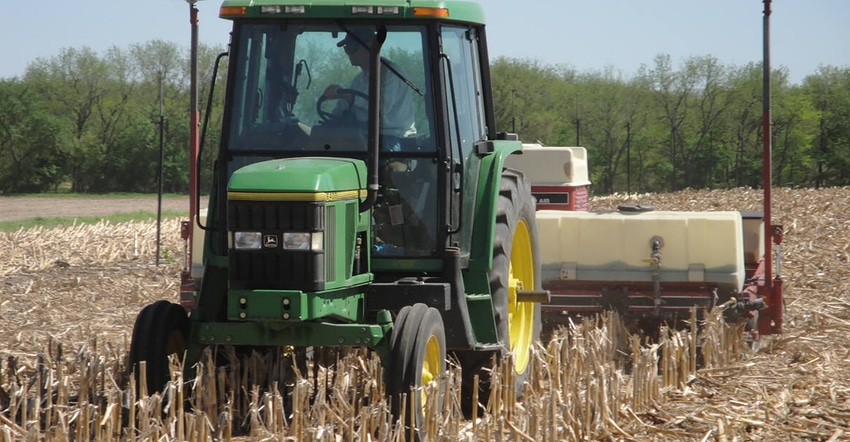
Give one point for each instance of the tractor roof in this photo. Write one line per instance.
(347, 9)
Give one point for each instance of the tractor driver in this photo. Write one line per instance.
(398, 225)
(397, 120)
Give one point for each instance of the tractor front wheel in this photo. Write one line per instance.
(161, 329)
(418, 359)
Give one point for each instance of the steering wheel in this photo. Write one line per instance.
(342, 94)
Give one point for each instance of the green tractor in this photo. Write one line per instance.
(360, 199)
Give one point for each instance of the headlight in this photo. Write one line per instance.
(303, 241)
(247, 240)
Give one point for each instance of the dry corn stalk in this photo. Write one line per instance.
(65, 285)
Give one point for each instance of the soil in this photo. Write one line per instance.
(21, 208)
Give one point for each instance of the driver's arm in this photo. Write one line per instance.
(331, 92)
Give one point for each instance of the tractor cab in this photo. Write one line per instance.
(300, 88)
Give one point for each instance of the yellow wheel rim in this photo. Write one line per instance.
(431, 367)
(521, 314)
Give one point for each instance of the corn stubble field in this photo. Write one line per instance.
(69, 297)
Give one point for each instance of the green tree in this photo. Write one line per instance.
(794, 124)
(744, 127)
(710, 100)
(611, 118)
(672, 92)
(72, 83)
(533, 99)
(829, 92)
(29, 155)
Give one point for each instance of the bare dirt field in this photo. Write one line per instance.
(21, 208)
(81, 287)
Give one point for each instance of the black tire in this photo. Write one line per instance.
(418, 357)
(295, 363)
(393, 381)
(515, 237)
(401, 345)
(161, 329)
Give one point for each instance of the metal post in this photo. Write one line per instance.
(578, 125)
(767, 136)
(194, 118)
(673, 155)
(513, 111)
(628, 158)
(159, 168)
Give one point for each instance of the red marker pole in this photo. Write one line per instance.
(187, 285)
(194, 119)
(767, 172)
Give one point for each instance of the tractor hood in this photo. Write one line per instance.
(311, 176)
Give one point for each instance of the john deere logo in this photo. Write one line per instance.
(270, 241)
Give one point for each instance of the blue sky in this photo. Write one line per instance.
(585, 34)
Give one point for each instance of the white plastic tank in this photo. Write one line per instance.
(616, 246)
(552, 166)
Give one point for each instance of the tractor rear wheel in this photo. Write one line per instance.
(161, 329)
(516, 267)
(418, 357)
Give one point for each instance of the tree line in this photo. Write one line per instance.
(696, 125)
(91, 121)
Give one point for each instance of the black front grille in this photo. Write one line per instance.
(272, 267)
(275, 215)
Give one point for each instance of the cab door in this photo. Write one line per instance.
(466, 122)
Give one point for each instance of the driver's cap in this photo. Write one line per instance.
(359, 36)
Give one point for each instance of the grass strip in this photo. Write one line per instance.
(49, 222)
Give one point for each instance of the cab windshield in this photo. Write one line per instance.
(301, 87)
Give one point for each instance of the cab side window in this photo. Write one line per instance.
(466, 104)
